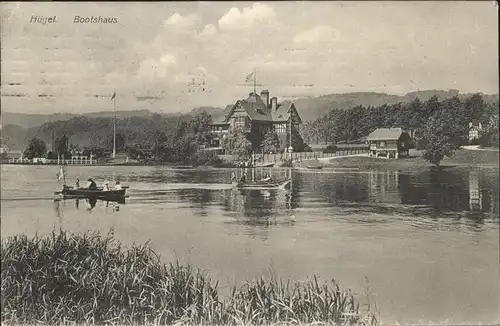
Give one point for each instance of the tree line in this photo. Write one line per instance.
(437, 126)
(156, 139)
(352, 124)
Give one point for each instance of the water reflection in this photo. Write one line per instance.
(450, 194)
(384, 187)
(451, 191)
(89, 203)
(442, 191)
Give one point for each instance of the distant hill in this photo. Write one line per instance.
(90, 131)
(14, 136)
(314, 107)
(32, 120)
(119, 114)
(207, 109)
(26, 120)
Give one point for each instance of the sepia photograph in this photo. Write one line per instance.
(250, 163)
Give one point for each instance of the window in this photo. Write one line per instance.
(280, 128)
(239, 122)
(381, 144)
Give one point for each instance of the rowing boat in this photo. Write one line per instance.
(94, 193)
(262, 184)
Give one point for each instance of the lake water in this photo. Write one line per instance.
(426, 244)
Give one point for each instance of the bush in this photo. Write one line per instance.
(206, 158)
(330, 149)
(90, 279)
(489, 140)
(306, 148)
(475, 142)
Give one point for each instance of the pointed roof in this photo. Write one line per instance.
(254, 107)
(385, 134)
(257, 110)
(282, 112)
(220, 119)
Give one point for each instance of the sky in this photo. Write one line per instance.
(173, 56)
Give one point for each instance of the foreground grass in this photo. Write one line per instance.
(461, 158)
(90, 278)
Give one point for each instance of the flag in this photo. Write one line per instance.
(60, 175)
(113, 97)
(250, 77)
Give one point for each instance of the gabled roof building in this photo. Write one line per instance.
(390, 142)
(257, 114)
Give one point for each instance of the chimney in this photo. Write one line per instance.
(274, 103)
(265, 97)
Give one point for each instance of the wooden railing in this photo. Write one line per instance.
(302, 156)
(47, 161)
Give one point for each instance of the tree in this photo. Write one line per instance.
(159, 145)
(36, 148)
(119, 141)
(75, 149)
(200, 127)
(414, 116)
(62, 146)
(443, 132)
(183, 149)
(271, 142)
(489, 122)
(474, 107)
(237, 144)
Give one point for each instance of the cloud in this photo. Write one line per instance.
(317, 34)
(248, 17)
(208, 30)
(289, 43)
(152, 69)
(180, 23)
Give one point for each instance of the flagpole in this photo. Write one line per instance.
(254, 81)
(114, 125)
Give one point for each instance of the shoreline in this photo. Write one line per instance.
(462, 158)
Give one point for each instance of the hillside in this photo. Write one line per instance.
(31, 120)
(34, 120)
(312, 108)
(14, 136)
(87, 131)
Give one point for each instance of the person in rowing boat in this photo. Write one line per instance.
(118, 186)
(92, 185)
(105, 187)
(233, 177)
(243, 179)
(267, 178)
(77, 183)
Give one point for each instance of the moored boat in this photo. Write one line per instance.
(265, 165)
(314, 167)
(262, 184)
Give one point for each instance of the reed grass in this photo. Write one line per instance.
(92, 279)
